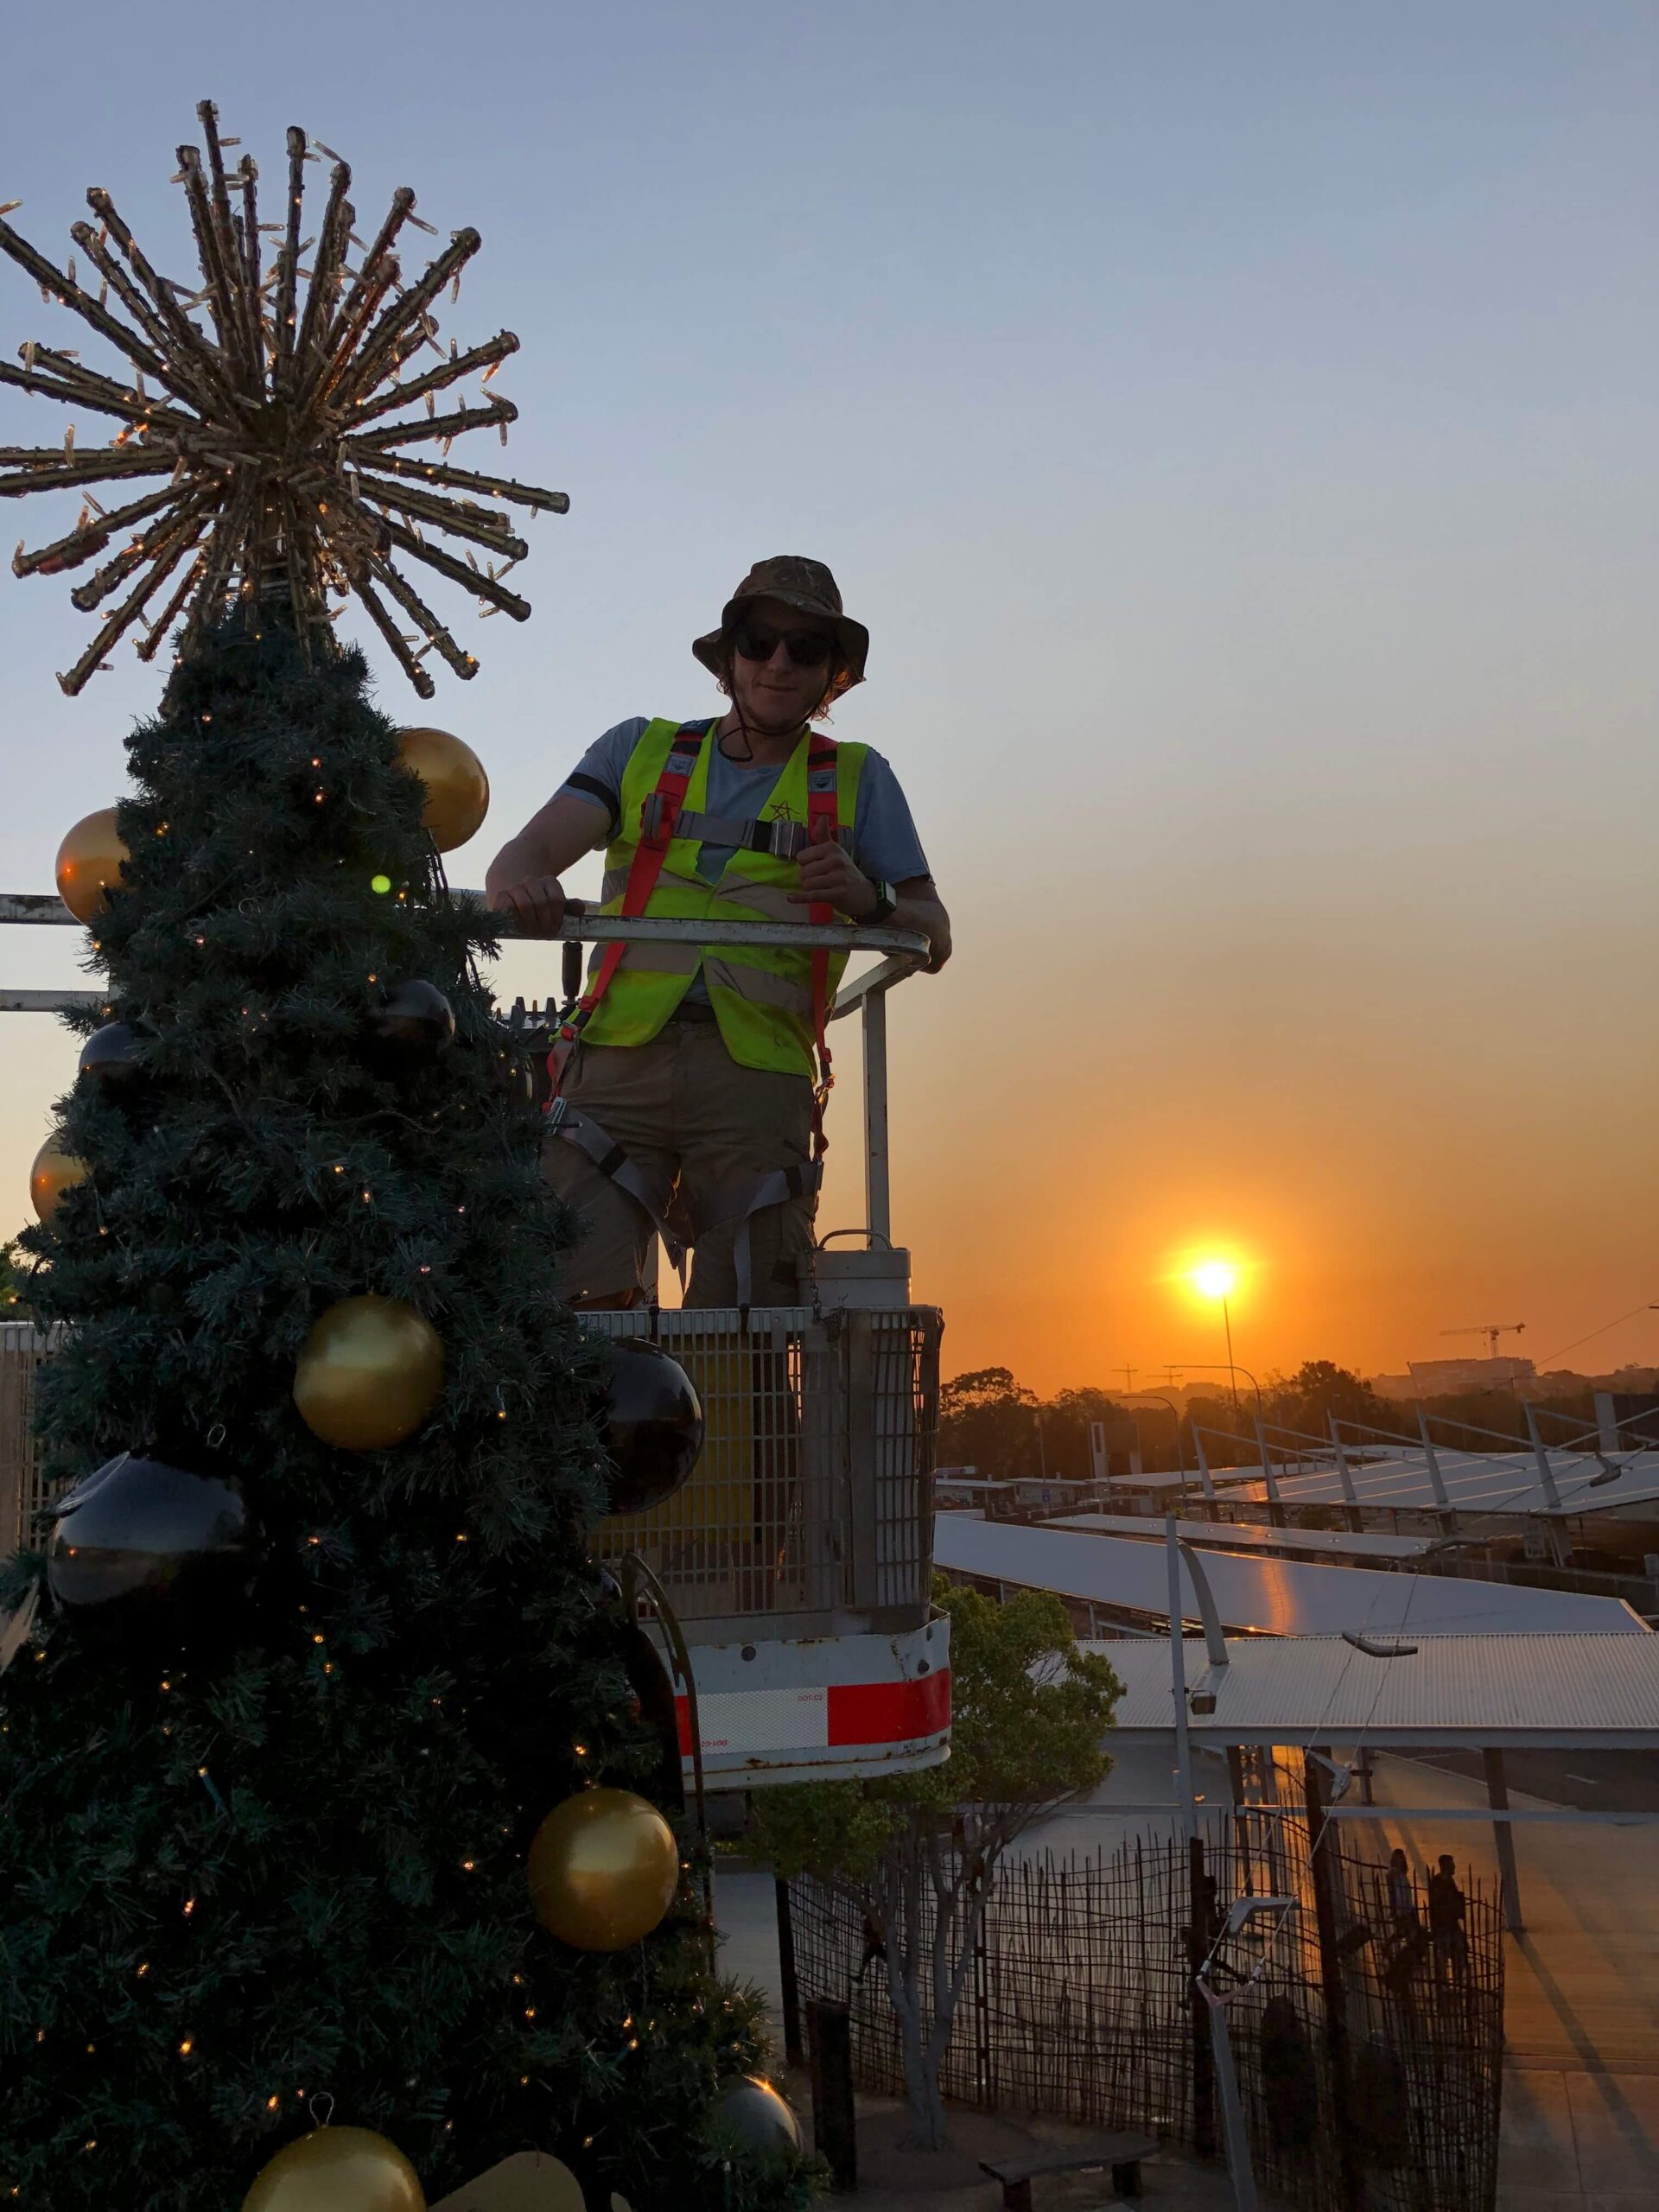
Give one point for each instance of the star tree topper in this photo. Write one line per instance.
(273, 422)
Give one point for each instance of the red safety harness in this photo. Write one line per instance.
(658, 816)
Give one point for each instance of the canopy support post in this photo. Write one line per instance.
(1497, 1796)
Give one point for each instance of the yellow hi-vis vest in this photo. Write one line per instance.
(761, 996)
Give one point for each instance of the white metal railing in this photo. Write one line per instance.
(903, 952)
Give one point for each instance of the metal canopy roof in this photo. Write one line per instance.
(1316, 1543)
(1475, 1483)
(1541, 1693)
(1270, 1596)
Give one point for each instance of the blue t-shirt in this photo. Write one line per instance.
(884, 843)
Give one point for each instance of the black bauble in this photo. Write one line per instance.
(144, 1553)
(110, 1056)
(413, 1023)
(754, 2111)
(653, 1426)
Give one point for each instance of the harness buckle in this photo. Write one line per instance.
(659, 813)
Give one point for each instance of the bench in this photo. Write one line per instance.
(1123, 2153)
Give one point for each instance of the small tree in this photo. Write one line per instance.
(11, 1289)
(1318, 1390)
(988, 1421)
(1029, 1711)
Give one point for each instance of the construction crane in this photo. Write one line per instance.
(1491, 1331)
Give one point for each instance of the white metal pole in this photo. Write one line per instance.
(1436, 1479)
(878, 1203)
(1269, 1478)
(1239, 2168)
(1178, 1680)
(1204, 1465)
(1345, 1474)
(1546, 1472)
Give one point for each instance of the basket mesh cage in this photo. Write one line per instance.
(814, 1491)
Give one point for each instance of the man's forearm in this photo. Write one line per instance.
(564, 832)
(923, 913)
(510, 865)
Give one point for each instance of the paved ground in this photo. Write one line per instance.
(1581, 2008)
(1592, 1781)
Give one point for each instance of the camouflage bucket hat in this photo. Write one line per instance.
(797, 582)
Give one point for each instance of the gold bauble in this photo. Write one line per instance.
(457, 788)
(369, 1374)
(338, 2169)
(54, 1172)
(603, 1870)
(89, 861)
(530, 2181)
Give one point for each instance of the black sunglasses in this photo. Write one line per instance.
(805, 648)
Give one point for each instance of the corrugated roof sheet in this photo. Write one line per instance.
(1274, 1596)
(1560, 1692)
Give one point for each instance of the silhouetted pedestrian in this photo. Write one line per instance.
(1402, 1893)
(1446, 1907)
(1407, 1939)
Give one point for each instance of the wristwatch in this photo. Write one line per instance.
(886, 903)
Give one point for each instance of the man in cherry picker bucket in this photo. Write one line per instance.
(690, 1080)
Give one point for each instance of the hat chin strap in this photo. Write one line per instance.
(748, 728)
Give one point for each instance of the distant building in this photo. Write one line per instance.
(1453, 1378)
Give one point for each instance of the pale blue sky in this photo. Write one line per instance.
(1236, 425)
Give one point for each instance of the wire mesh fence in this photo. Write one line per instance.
(1367, 2054)
(22, 1493)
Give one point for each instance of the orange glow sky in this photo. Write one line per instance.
(1239, 434)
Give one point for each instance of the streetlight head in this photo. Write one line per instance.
(1215, 1278)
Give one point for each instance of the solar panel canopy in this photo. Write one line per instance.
(1266, 1596)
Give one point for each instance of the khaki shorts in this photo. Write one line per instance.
(683, 1106)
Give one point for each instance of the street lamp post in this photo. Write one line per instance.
(1216, 1280)
(1181, 1456)
(1217, 1367)
(1227, 1323)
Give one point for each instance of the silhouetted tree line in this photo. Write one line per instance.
(989, 1419)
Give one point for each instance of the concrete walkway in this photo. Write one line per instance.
(1581, 1997)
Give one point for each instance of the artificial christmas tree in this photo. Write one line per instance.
(316, 1644)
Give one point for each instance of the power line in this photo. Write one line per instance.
(1646, 1306)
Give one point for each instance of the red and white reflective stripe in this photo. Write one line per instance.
(838, 1716)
